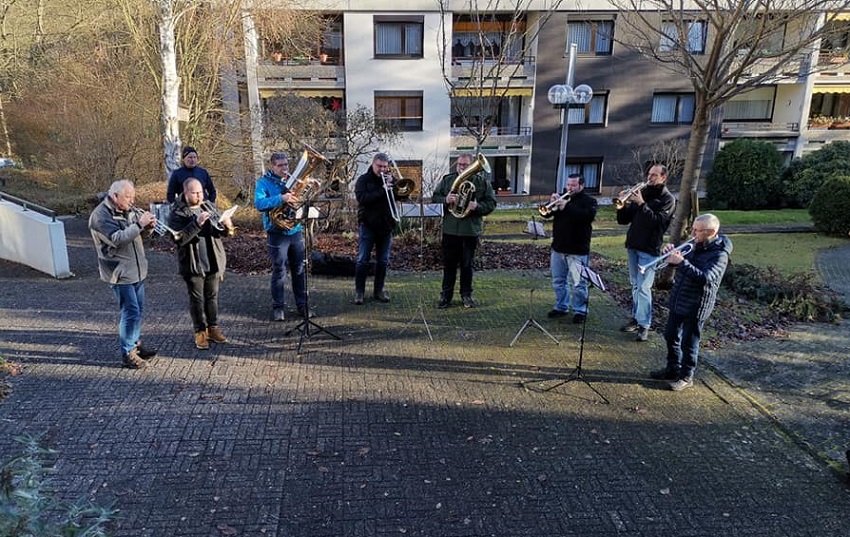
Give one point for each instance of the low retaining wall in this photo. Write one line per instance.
(33, 239)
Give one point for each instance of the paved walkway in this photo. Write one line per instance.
(388, 433)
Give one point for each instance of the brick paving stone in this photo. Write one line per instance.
(388, 433)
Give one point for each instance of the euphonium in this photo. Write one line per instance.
(552, 206)
(620, 201)
(465, 189)
(301, 186)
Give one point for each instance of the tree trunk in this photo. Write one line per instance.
(685, 212)
(170, 88)
(4, 126)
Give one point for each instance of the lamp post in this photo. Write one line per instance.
(562, 96)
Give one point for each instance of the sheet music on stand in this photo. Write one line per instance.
(592, 277)
(411, 210)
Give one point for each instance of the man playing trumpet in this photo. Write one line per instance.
(200, 258)
(698, 276)
(648, 211)
(572, 224)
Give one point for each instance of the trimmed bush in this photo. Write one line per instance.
(829, 206)
(805, 176)
(746, 175)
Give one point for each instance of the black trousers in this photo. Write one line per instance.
(458, 251)
(203, 300)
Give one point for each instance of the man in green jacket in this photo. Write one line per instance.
(460, 235)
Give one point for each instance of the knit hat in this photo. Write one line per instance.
(188, 149)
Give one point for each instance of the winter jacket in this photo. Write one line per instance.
(572, 225)
(199, 248)
(118, 240)
(373, 209)
(179, 176)
(473, 224)
(698, 278)
(649, 221)
(267, 193)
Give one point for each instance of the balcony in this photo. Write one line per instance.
(752, 129)
(501, 142)
(516, 74)
(792, 71)
(300, 74)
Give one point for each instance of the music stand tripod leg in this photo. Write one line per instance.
(530, 321)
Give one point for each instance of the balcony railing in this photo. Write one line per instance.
(472, 68)
(752, 129)
(495, 131)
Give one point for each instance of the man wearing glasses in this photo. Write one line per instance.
(698, 276)
(286, 246)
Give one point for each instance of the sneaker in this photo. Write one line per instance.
(132, 360)
(443, 303)
(202, 340)
(555, 314)
(302, 312)
(579, 318)
(468, 302)
(358, 298)
(681, 384)
(381, 296)
(145, 353)
(664, 374)
(631, 326)
(214, 333)
(279, 315)
(642, 334)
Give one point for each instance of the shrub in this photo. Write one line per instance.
(829, 206)
(805, 175)
(746, 175)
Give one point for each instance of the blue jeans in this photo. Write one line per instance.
(287, 250)
(381, 242)
(131, 301)
(641, 286)
(683, 335)
(570, 288)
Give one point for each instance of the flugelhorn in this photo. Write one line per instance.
(660, 262)
(620, 201)
(159, 227)
(552, 206)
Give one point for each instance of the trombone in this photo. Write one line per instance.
(396, 186)
(620, 201)
(388, 190)
(660, 262)
(552, 206)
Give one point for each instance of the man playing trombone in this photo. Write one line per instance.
(698, 276)
(376, 215)
(648, 210)
(200, 258)
(572, 216)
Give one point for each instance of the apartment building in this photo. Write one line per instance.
(394, 58)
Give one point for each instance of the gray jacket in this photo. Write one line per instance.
(118, 240)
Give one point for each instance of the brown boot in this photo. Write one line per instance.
(215, 334)
(132, 360)
(201, 340)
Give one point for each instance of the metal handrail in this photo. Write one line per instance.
(27, 205)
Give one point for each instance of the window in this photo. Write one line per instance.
(756, 104)
(592, 113)
(695, 33)
(492, 36)
(398, 38)
(673, 108)
(402, 109)
(591, 37)
(590, 169)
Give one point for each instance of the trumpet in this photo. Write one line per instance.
(159, 227)
(620, 201)
(552, 206)
(215, 216)
(660, 262)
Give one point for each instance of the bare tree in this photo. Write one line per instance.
(485, 50)
(724, 48)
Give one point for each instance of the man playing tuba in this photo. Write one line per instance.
(461, 233)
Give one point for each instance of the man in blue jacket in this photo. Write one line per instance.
(286, 246)
(190, 170)
(698, 276)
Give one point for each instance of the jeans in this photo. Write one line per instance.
(131, 301)
(381, 242)
(570, 288)
(203, 300)
(458, 251)
(683, 335)
(641, 286)
(287, 250)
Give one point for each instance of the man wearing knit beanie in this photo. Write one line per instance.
(190, 170)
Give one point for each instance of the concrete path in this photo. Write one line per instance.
(386, 432)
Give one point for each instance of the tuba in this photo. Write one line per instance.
(300, 185)
(465, 189)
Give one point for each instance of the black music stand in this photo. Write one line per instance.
(307, 327)
(530, 321)
(593, 280)
(419, 211)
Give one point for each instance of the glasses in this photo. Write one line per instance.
(700, 230)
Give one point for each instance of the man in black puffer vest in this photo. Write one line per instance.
(698, 276)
